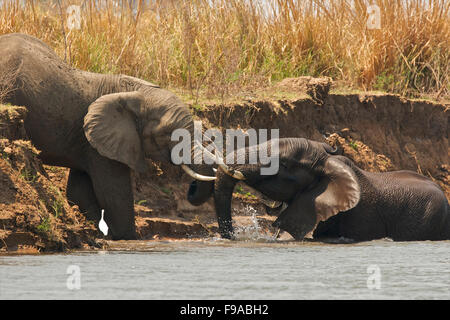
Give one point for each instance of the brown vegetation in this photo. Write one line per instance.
(221, 47)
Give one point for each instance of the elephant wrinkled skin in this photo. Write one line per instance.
(327, 193)
(97, 125)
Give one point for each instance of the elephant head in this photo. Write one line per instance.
(313, 180)
(131, 126)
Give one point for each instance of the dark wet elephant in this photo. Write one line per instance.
(97, 125)
(329, 194)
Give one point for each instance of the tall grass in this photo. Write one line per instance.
(220, 47)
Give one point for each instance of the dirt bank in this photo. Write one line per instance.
(379, 132)
(34, 214)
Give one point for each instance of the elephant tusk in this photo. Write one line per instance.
(234, 173)
(195, 175)
(219, 160)
(271, 203)
(277, 233)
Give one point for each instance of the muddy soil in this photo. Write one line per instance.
(34, 213)
(380, 132)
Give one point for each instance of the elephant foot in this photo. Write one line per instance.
(132, 236)
(275, 211)
(297, 232)
(227, 233)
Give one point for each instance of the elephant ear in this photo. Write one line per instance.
(341, 189)
(111, 128)
(337, 190)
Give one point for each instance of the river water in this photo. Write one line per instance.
(219, 269)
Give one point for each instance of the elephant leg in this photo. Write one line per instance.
(328, 229)
(299, 218)
(112, 186)
(81, 192)
(223, 194)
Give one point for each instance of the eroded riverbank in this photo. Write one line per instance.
(380, 132)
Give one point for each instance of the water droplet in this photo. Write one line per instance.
(252, 232)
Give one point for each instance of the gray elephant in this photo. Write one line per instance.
(97, 125)
(327, 193)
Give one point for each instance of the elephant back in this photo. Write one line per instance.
(39, 74)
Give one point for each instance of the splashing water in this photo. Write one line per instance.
(252, 232)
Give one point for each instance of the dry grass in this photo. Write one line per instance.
(7, 78)
(220, 47)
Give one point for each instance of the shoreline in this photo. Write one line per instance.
(379, 132)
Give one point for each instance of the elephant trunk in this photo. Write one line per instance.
(202, 187)
(200, 191)
(204, 160)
